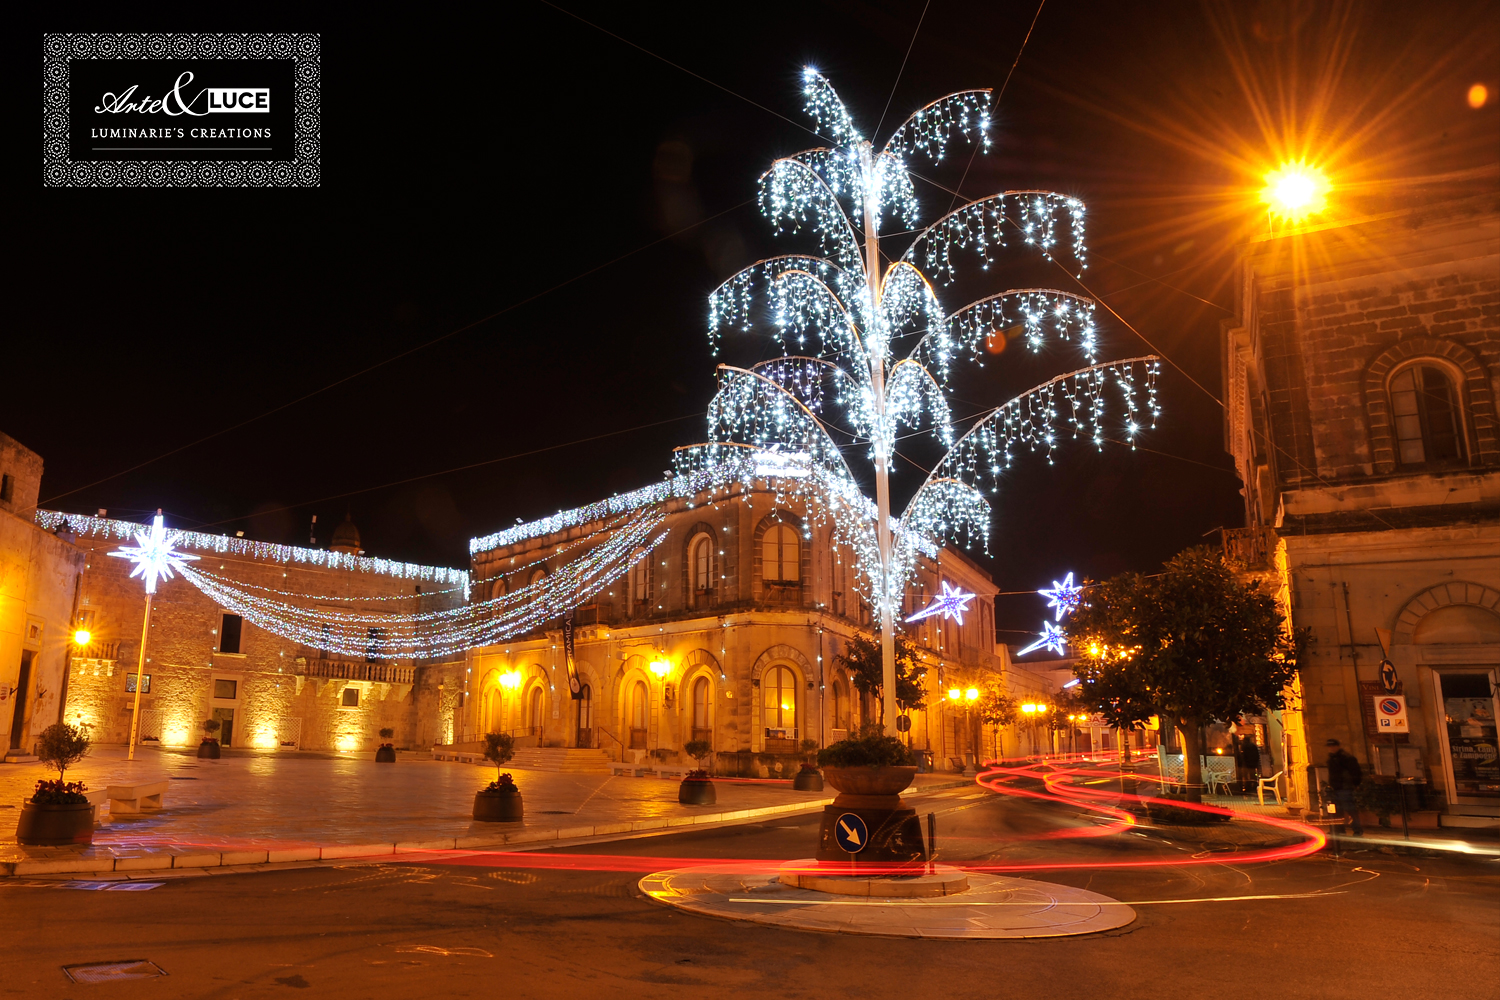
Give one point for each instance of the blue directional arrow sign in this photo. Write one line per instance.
(851, 833)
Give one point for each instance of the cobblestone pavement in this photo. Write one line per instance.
(269, 802)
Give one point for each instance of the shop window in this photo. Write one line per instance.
(350, 698)
(145, 684)
(226, 690)
(231, 628)
(1469, 717)
(1424, 406)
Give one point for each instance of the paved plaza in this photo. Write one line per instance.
(255, 808)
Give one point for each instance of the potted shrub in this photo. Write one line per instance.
(697, 789)
(500, 800)
(386, 752)
(808, 779)
(210, 746)
(869, 763)
(58, 812)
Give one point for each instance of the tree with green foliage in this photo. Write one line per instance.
(862, 659)
(1190, 644)
(499, 748)
(996, 709)
(61, 745)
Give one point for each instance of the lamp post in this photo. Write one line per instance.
(968, 697)
(154, 558)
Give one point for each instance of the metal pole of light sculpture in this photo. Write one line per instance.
(154, 559)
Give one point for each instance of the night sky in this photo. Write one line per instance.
(512, 189)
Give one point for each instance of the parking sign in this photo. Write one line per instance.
(1390, 713)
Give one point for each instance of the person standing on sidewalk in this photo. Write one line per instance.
(1344, 776)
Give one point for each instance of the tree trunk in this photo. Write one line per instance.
(1192, 760)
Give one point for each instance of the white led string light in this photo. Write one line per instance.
(353, 632)
(291, 555)
(836, 318)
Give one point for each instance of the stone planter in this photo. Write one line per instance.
(497, 807)
(385, 755)
(870, 780)
(53, 825)
(697, 792)
(808, 781)
(209, 749)
(874, 795)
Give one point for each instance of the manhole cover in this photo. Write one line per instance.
(113, 972)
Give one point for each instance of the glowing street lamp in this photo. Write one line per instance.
(82, 638)
(154, 559)
(660, 667)
(1295, 190)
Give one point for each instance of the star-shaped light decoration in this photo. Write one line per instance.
(153, 555)
(1064, 596)
(1052, 638)
(951, 603)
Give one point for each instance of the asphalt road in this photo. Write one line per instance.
(1374, 925)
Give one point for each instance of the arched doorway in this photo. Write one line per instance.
(584, 707)
(779, 709)
(703, 693)
(640, 713)
(534, 712)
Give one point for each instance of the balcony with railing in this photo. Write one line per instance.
(355, 670)
(98, 650)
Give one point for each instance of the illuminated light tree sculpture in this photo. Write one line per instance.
(155, 557)
(857, 310)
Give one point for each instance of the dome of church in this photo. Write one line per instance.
(346, 537)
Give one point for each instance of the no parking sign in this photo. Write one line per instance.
(1390, 713)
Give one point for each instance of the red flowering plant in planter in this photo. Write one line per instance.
(59, 793)
(504, 784)
(58, 812)
(697, 774)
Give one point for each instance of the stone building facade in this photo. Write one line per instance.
(1360, 377)
(267, 691)
(729, 631)
(39, 577)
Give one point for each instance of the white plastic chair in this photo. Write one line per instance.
(1269, 783)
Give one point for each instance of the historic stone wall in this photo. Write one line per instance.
(1326, 318)
(269, 689)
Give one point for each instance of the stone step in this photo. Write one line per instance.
(17, 757)
(571, 760)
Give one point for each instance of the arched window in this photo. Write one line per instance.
(538, 574)
(640, 708)
(840, 706)
(779, 690)
(585, 703)
(1425, 410)
(781, 556)
(535, 715)
(703, 564)
(640, 580)
(703, 693)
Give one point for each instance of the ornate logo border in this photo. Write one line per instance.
(60, 170)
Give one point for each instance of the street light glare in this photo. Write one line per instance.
(1479, 95)
(1295, 190)
(81, 637)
